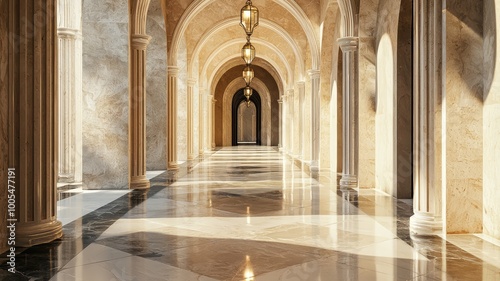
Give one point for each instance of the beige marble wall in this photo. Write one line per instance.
(105, 94)
(156, 88)
(182, 103)
(491, 115)
(463, 117)
(367, 92)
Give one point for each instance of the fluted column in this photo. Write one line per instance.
(70, 91)
(208, 122)
(29, 82)
(291, 123)
(427, 218)
(212, 137)
(172, 118)
(280, 104)
(350, 47)
(301, 140)
(201, 115)
(137, 111)
(314, 75)
(190, 127)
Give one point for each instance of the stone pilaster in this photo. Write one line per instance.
(201, 115)
(212, 124)
(280, 120)
(301, 140)
(29, 92)
(190, 116)
(427, 133)
(292, 142)
(314, 75)
(350, 50)
(70, 91)
(172, 118)
(137, 111)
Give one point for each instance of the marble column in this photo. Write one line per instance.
(212, 124)
(137, 111)
(190, 114)
(29, 82)
(201, 115)
(208, 122)
(301, 140)
(427, 76)
(291, 123)
(315, 119)
(280, 104)
(172, 118)
(70, 90)
(350, 84)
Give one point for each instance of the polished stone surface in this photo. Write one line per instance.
(247, 213)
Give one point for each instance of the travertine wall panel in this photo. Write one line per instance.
(491, 115)
(463, 117)
(105, 94)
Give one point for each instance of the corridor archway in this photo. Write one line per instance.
(238, 98)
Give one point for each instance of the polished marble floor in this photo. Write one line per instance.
(247, 213)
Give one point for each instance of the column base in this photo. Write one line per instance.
(423, 223)
(173, 166)
(31, 233)
(66, 178)
(348, 181)
(139, 182)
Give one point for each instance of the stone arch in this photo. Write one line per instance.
(197, 6)
(237, 99)
(263, 23)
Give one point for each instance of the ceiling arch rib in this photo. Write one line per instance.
(198, 5)
(209, 82)
(263, 23)
(236, 61)
(236, 43)
(256, 41)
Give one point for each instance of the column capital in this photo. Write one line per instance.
(280, 101)
(314, 73)
(348, 44)
(191, 82)
(301, 84)
(67, 33)
(139, 41)
(173, 70)
(290, 92)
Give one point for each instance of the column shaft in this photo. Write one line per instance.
(190, 116)
(201, 123)
(315, 119)
(172, 118)
(29, 88)
(137, 111)
(280, 103)
(349, 46)
(213, 121)
(301, 139)
(70, 91)
(427, 132)
(292, 140)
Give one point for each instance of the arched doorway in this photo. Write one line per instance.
(247, 123)
(238, 99)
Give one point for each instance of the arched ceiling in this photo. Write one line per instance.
(286, 38)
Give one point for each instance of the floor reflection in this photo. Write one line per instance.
(247, 213)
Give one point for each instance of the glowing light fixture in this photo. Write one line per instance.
(248, 52)
(249, 17)
(248, 74)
